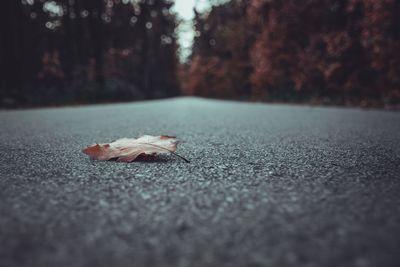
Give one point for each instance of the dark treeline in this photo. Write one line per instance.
(346, 51)
(81, 51)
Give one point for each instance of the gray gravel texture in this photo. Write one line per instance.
(268, 185)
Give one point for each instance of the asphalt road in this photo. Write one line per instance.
(268, 185)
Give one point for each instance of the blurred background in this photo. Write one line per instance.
(70, 52)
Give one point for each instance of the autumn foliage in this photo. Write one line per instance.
(277, 48)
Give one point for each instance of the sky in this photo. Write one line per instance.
(184, 10)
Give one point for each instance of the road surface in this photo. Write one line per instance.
(268, 185)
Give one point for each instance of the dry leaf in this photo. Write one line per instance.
(128, 149)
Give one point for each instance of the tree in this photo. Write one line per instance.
(86, 51)
(10, 50)
(220, 63)
(297, 49)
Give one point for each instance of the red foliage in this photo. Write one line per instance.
(380, 37)
(308, 48)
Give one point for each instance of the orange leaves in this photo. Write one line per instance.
(129, 149)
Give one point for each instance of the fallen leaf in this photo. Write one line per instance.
(129, 149)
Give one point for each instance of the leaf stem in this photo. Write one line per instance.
(170, 151)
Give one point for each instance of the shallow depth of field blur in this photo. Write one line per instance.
(70, 52)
